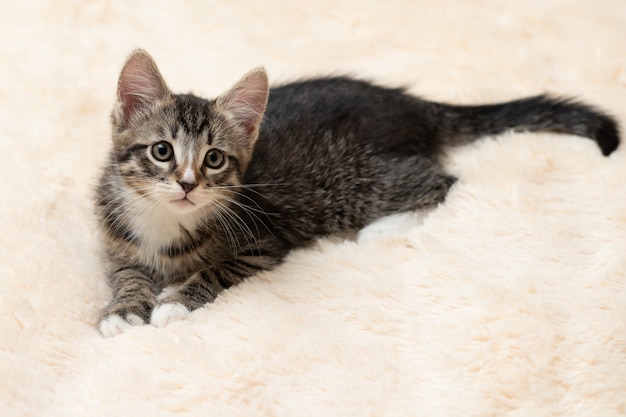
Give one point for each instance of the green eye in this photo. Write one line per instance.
(214, 159)
(162, 151)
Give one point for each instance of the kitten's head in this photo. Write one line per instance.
(180, 151)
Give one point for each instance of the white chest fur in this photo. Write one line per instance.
(157, 227)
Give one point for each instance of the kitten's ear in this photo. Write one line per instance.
(140, 85)
(245, 101)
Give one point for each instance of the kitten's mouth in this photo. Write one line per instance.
(183, 202)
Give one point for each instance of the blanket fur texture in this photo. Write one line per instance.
(507, 300)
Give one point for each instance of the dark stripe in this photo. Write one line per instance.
(199, 292)
(105, 199)
(178, 250)
(149, 167)
(119, 231)
(124, 268)
(249, 265)
(130, 152)
(224, 283)
(137, 147)
(215, 276)
(137, 273)
(201, 123)
(236, 270)
(206, 276)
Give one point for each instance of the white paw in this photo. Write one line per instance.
(164, 314)
(114, 325)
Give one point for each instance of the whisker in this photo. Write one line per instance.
(259, 209)
(240, 224)
(230, 238)
(251, 185)
(250, 211)
(237, 221)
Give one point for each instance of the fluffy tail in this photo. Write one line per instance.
(462, 124)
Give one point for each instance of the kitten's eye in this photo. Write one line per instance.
(162, 151)
(214, 159)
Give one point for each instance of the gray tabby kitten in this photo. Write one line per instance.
(204, 193)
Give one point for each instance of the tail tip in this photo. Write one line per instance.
(607, 137)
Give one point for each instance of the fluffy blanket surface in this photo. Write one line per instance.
(507, 300)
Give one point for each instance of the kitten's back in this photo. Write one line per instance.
(343, 152)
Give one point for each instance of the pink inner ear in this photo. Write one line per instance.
(140, 85)
(130, 104)
(247, 99)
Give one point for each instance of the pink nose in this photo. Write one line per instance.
(187, 186)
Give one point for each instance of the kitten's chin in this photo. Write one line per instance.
(183, 206)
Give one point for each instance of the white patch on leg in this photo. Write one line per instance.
(135, 320)
(164, 314)
(166, 292)
(114, 325)
(393, 225)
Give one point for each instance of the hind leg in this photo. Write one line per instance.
(406, 185)
(419, 184)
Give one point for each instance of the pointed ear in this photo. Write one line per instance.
(140, 85)
(245, 101)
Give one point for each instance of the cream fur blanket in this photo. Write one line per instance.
(509, 299)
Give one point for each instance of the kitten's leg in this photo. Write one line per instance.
(413, 183)
(204, 286)
(194, 293)
(133, 301)
(430, 189)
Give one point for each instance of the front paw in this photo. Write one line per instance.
(119, 317)
(166, 313)
(113, 325)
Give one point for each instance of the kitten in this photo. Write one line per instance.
(204, 193)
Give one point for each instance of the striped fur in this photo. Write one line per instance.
(331, 155)
(150, 242)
